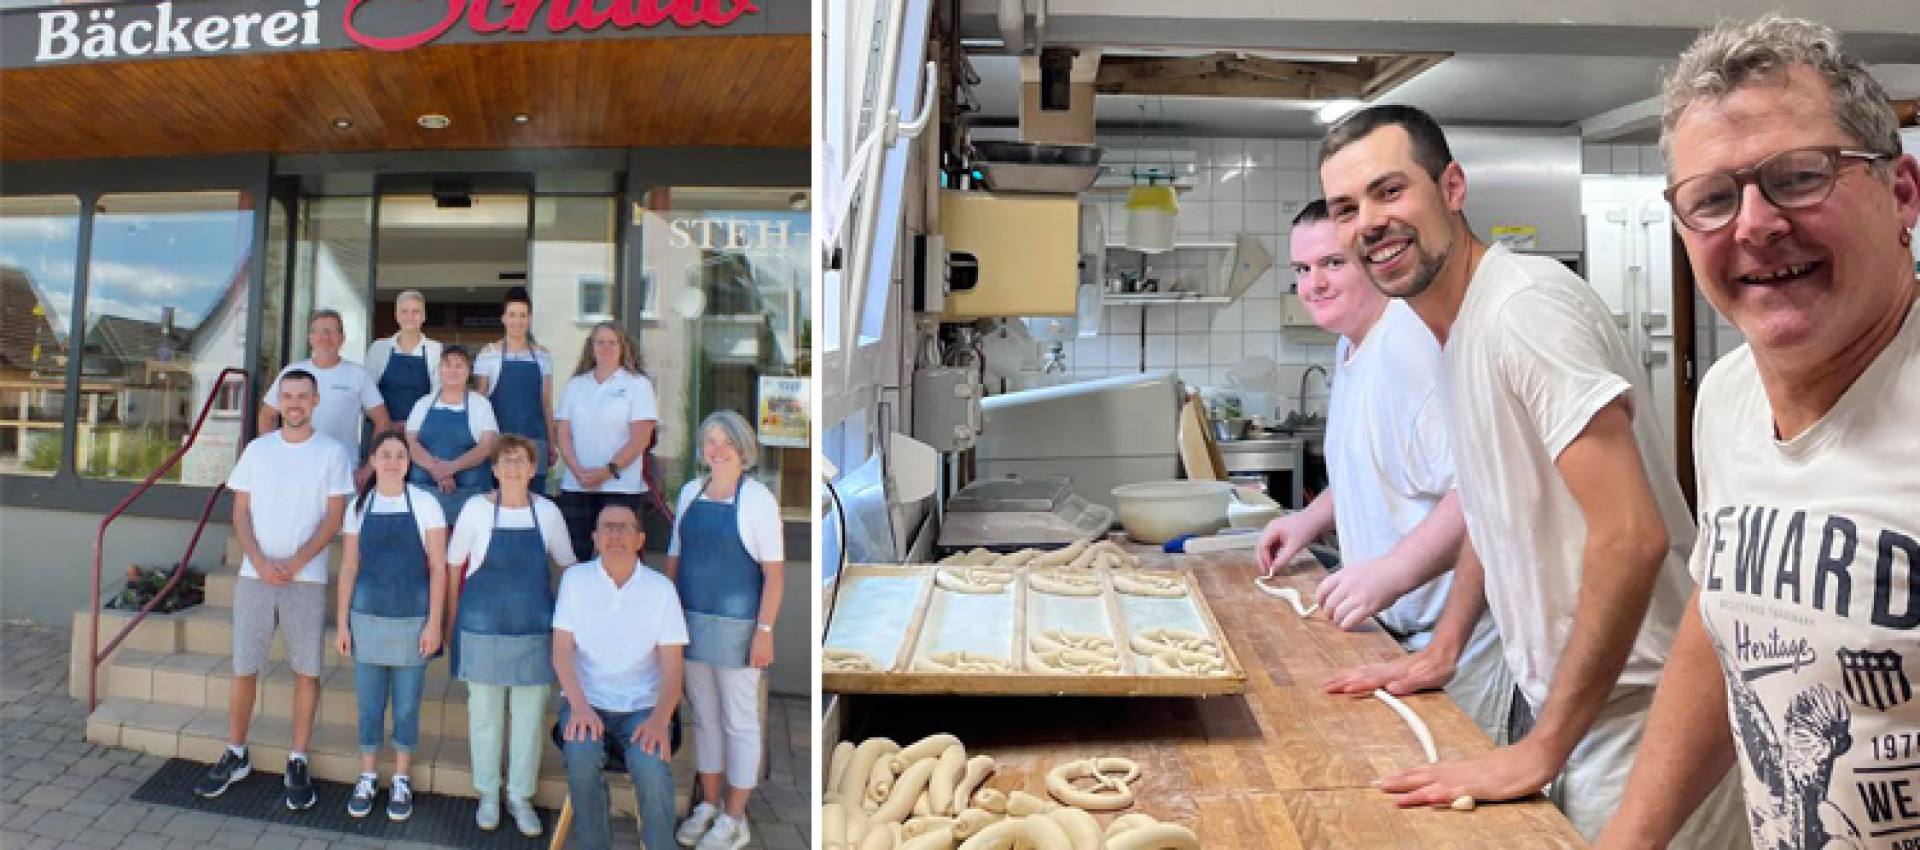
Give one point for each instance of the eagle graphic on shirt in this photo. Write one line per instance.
(1795, 764)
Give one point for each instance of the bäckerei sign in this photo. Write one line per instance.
(118, 32)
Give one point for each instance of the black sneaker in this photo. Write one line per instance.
(361, 803)
(400, 805)
(300, 793)
(222, 775)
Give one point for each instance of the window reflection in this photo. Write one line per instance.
(39, 238)
(727, 304)
(166, 311)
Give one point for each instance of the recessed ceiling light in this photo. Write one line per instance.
(522, 118)
(342, 124)
(435, 121)
(1334, 110)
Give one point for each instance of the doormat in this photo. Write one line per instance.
(437, 819)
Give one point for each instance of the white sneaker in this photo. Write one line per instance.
(524, 817)
(487, 816)
(696, 824)
(726, 834)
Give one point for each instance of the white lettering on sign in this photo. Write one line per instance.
(728, 233)
(62, 35)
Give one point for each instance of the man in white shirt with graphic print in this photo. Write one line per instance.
(1798, 655)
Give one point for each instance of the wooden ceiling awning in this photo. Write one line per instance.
(1253, 75)
(748, 91)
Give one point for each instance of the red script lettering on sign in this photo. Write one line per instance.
(562, 15)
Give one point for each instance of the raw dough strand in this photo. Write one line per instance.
(1289, 594)
(1419, 726)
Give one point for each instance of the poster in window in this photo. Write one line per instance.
(784, 418)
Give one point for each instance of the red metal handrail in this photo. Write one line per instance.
(100, 539)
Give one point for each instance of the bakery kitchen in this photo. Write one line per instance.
(120, 31)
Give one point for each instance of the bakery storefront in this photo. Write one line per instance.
(183, 184)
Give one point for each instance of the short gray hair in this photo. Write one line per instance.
(735, 429)
(1733, 54)
(410, 295)
(326, 313)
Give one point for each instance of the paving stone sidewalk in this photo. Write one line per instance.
(58, 792)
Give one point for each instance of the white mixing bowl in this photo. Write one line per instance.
(1158, 511)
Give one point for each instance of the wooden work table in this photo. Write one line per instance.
(1284, 765)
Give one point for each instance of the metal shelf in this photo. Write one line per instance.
(1183, 246)
(1152, 298)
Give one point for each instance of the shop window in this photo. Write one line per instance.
(39, 241)
(166, 311)
(732, 274)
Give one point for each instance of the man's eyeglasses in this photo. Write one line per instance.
(1790, 179)
(619, 527)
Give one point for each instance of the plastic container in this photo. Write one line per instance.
(1158, 511)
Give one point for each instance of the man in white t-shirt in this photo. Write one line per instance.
(1797, 658)
(346, 389)
(290, 491)
(1574, 517)
(1390, 467)
(618, 635)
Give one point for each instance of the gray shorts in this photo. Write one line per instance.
(298, 608)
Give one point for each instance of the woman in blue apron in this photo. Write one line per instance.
(726, 560)
(452, 434)
(503, 618)
(392, 589)
(516, 374)
(403, 365)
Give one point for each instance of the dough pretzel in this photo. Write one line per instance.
(1152, 641)
(848, 661)
(1054, 639)
(1061, 557)
(974, 579)
(1155, 836)
(1078, 662)
(1063, 582)
(1112, 781)
(1289, 594)
(1136, 583)
(1175, 662)
(961, 661)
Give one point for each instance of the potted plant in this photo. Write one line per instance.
(144, 583)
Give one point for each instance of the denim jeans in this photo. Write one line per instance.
(373, 684)
(587, 786)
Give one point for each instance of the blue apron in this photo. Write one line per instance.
(390, 593)
(719, 582)
(518, 407)
(404, 382)
(505, 622)
(445, 435)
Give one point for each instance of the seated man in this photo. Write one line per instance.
(617, 638)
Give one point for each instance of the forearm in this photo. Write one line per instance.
(243, 527)
(1317, 518)
(569, 676)
(774, 573)
(1466, 604)
(1687, 749)
(418, 453)
(636, 443)
(672, 568)
(1432, 547)
(476, 455)
(563, 440)
(1615, 587)
(672, 677)
(381, 419)
(268, 420)
(318, 542)
(349, 573)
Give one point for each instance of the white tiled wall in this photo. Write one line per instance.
(1242, 185)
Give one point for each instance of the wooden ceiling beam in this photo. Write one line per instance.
(1253, 76)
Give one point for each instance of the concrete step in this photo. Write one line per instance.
(441, 764)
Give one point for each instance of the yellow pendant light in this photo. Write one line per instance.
(1151, 209)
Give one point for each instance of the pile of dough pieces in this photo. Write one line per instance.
(931, 796)
(1071, 571)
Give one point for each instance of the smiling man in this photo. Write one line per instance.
(1797, 656)
(1577, 531)
(1391, 468)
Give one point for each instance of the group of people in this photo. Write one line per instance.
(1508, 512)
(450, 543)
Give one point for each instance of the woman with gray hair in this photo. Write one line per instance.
(404, 365)
(726, 560)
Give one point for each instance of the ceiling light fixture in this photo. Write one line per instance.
(1334, 110)
(434, 121)
(342, 124)
(522, 118)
